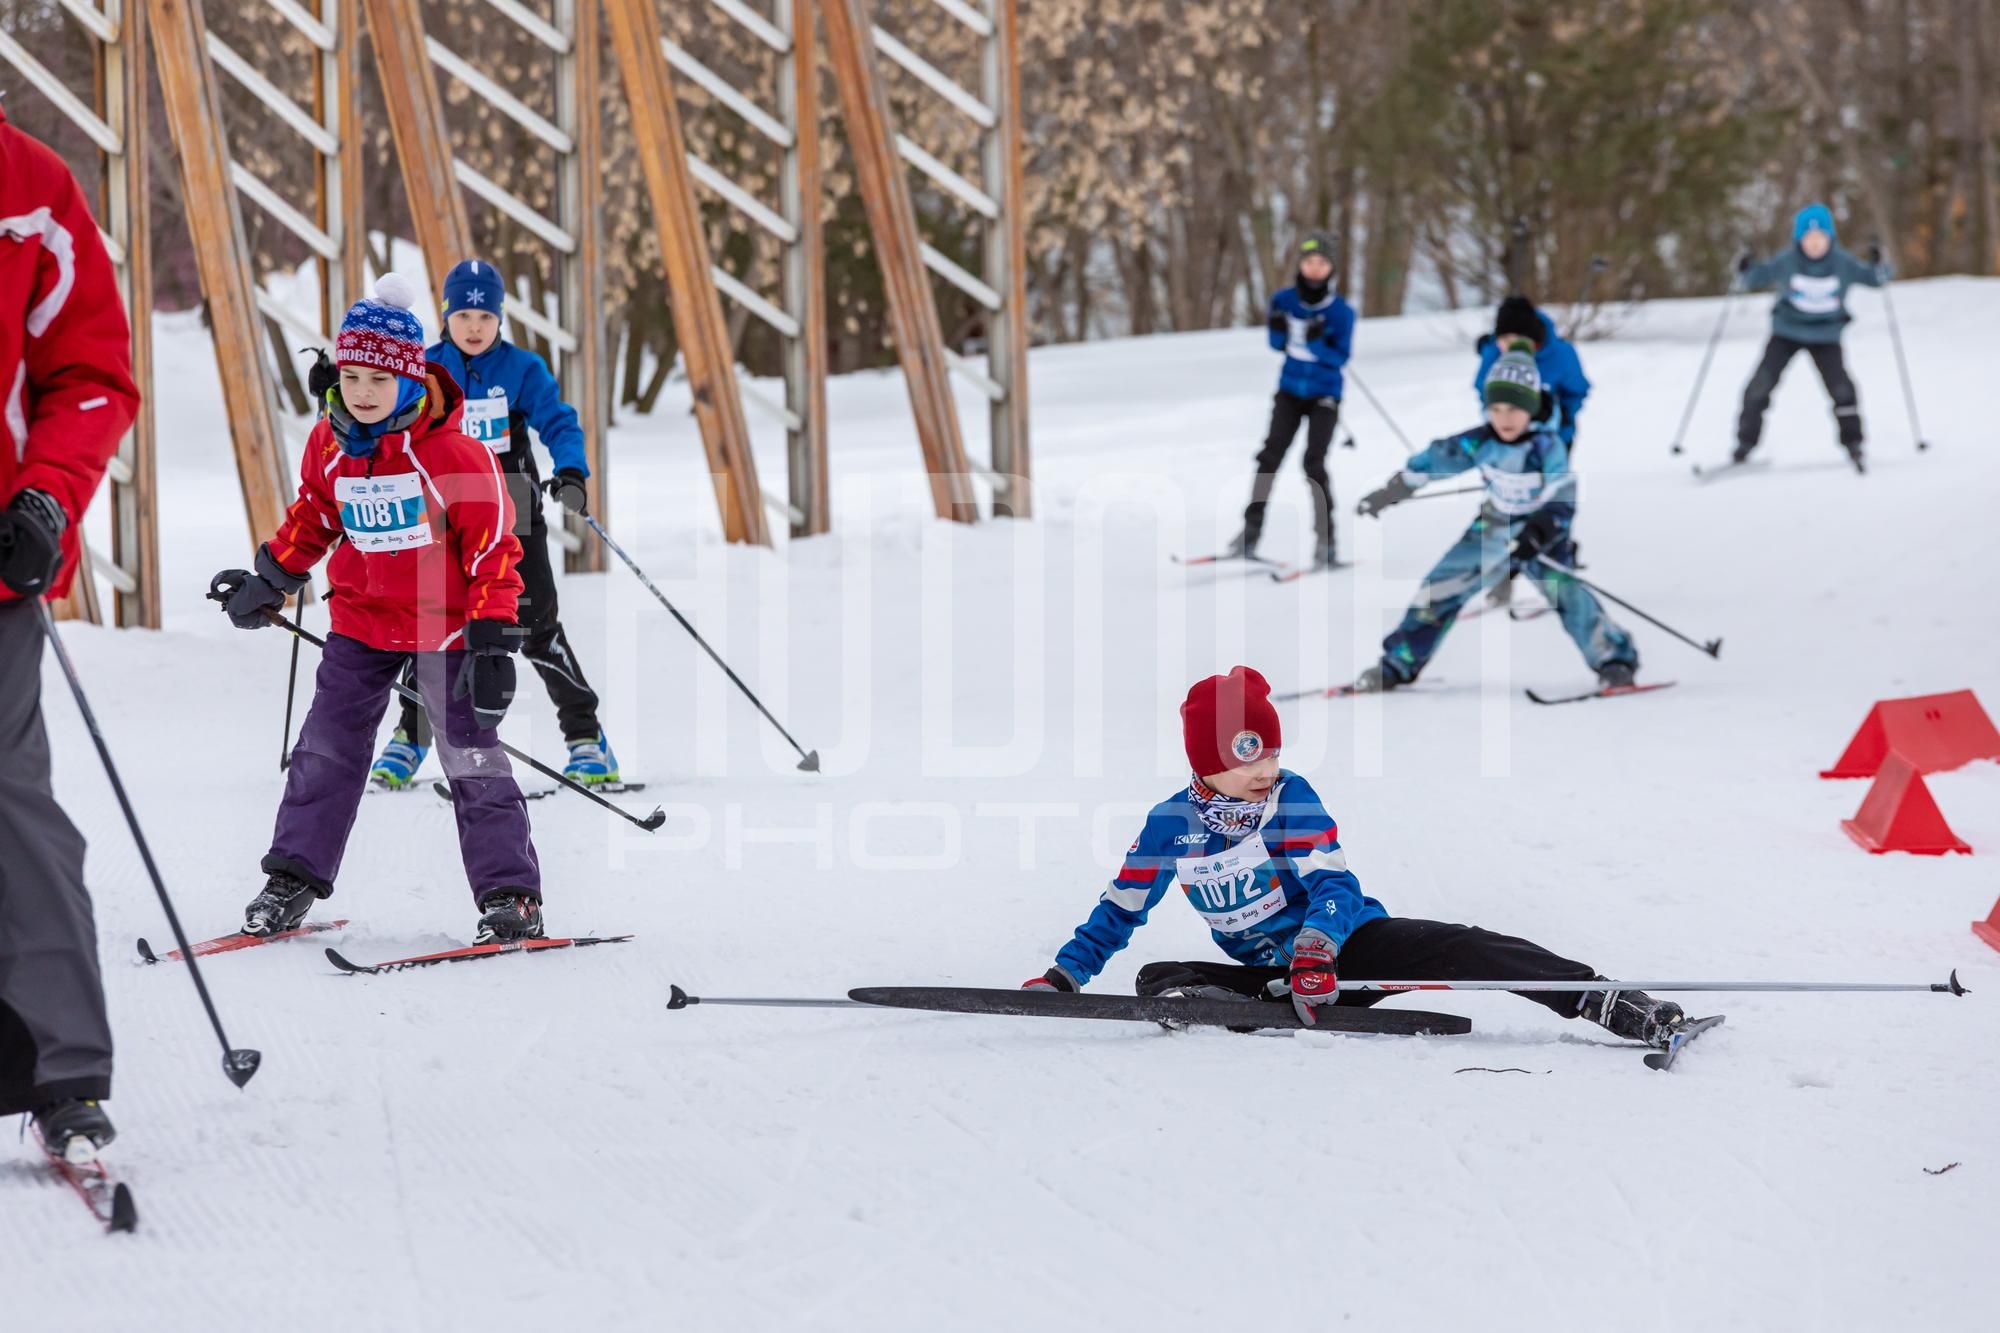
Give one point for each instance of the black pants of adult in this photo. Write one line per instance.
(547, 648)
(1832, 367)
(1321, 415)
(1399, 948)
(55, 1041)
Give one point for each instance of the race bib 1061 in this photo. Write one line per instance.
(384, 513)
(485, 420)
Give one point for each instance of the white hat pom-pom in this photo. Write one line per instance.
(395, 289)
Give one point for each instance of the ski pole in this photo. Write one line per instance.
(1695, 395)
(291, 695)
(238, 1063)
(1380, 410)
(808, 760)
(1439, 495)
(680, 999)
(649, 823)
(1713, 647)
(1903, 366)
(1951, 987)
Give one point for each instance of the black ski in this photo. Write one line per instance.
(109, 1200)
(1694, 1027)
(443, 790)
(1729, 469)
(1175, 1010)
(1276, 568)
(1293, 575)
(1607, 692)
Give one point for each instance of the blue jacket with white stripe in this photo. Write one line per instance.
(1560, 367)
(1256, 893)
(1529, 474)
(1312, 365)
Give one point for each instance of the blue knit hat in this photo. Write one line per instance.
(1813, 217)
(380, 331)
(473, 284)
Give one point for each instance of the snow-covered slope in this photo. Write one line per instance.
(536, 1142)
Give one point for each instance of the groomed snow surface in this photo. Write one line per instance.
(536, 1142)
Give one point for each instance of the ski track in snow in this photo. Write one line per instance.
(535, 1142)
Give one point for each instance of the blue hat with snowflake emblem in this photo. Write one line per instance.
(473, 284)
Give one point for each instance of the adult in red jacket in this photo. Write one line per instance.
(427, 571)
(66, 397)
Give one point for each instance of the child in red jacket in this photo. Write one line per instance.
(428, 573)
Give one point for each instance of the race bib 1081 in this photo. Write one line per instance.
(384, 513)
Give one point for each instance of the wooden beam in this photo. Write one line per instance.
(416, 119)
(1008, 330)
(135, 526)
(892, 221)
(805, 273)
(194, 115)
(697, 308)
(583, 371)
(345, 214)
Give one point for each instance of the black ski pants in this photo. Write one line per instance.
(547, 648)
(55, 1041)
(1832, 367)
(1399, 948)
(1321, 415)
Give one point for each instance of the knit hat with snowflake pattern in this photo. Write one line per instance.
(380, 332)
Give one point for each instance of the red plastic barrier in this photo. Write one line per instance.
(1935, 732)
(1989, 929)
(1898, 814)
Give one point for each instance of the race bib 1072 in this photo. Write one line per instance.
(384, 513)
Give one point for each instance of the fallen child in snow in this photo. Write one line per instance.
(1259, 857)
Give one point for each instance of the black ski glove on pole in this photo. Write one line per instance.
(31, 533)
(487, 672)
(567, 489)
(246, 596)
(1394, 493)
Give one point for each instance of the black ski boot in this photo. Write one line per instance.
(508, 915)
(1243, 546)
(284, 902)
(1616, 675)
(74, 1129)
(1374, 680)
(1854, 457)
(1632, 1014)
(1741, 454)
(1326, 557)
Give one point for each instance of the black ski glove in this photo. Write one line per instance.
(322, 377)
(1541, 534)
(1744, 259)
(1278, 324)
(31, 533)
(1394, 493)
(246, 596)
(566, 487)
(487, 672)
(1054, 979)
(1315, 329)
(1875, 253)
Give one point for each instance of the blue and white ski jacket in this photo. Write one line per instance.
(1561, 371)
(507, 390)
(1256, 893)
(1528, 475)
(1312, 366)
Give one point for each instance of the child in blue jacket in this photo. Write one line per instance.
(1259, 858)
(1314, 328)
(509, 390)
(1555, 360)
(1522, 528)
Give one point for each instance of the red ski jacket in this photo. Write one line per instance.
(428, 528)
(66, 392)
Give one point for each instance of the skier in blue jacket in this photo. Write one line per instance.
(508, 391)
(1257, 855)
(1812, 278)
(1314, 328)
(1522, 528)
(1555, 359)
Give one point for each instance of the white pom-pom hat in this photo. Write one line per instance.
(380, 331)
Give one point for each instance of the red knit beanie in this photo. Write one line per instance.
(1228, 721)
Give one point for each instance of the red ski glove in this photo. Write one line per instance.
(1313, 980)
(1055, 979)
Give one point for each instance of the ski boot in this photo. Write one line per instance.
(1241, 547)
(508, 915)
(1854, 457)
(1326, 557)
(281, 905)
(1374, 680)
(1633, 1015)
(74, 1129)
(401, 758)
(1616, 675)
(1741, 454)
(591, 761)
(1502, 594)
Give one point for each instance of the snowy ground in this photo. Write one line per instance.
(536, 1142)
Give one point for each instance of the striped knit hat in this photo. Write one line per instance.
(1514, 378)
(380, 331)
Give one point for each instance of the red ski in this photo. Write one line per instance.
(231, 943)
(493, 950)
(108, 1199)
(1611, 693)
